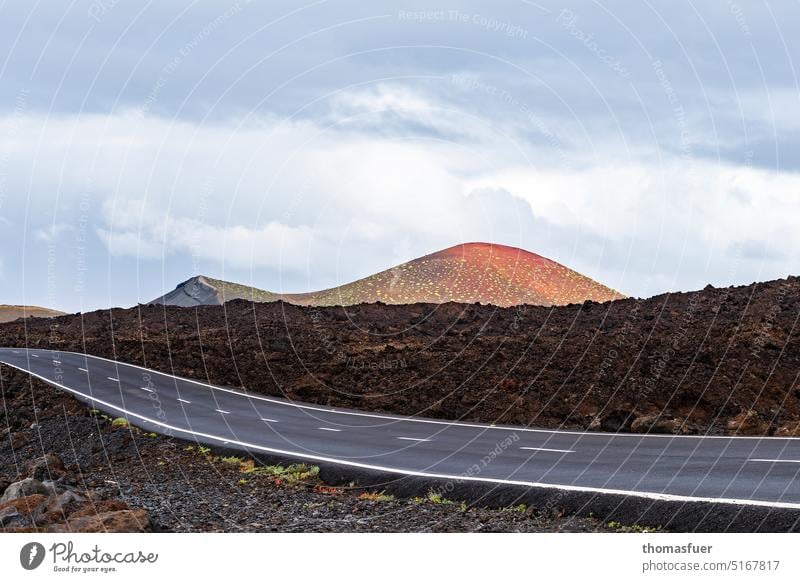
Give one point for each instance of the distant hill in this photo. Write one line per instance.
(202, 290)
(12, 312)
(467, 273)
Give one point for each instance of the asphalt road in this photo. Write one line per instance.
(744, 470)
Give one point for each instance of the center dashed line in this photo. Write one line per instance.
(83, 369)
(222, 411)
(413, 439)
(546, 450)
(113, 379)
(184, 401)
(145, 388)
(330, 429)
(269, 420)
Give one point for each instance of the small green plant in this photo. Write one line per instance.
(203, 450)
(120, 422)
(291, 474)
(242, 481)
(435, 497)
(643, 528)
(231, 460)
(189, 448)
(375, 496)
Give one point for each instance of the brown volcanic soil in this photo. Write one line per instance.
(718, 360)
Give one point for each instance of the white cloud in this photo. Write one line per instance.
(274, 245)
(51, 232)
(324, 204)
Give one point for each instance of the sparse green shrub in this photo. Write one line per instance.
(435, 497)
(231, 460)
(375, 496)
(291, 474)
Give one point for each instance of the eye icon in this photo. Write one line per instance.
(31, 555)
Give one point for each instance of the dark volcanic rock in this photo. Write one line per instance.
(48, 467)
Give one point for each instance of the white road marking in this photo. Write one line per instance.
(15, 351)
(269, 420)
(222, 411)
(34, 355)
(113, 379)
(145, 388)
(83, 370)
(184, 401)
(56, 362)
(413, 439)
(538, 485)
(774, 460)
(547, 450)
(330, 429)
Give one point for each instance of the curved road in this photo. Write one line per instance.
(758, 471)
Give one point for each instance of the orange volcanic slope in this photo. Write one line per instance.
(468, 273)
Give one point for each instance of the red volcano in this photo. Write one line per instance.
(468, 273)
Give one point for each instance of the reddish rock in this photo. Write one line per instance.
(20, 439)
(90, 508)
(128, 520)
(22, 511)
(655, 424)
(746, 422)
(791, 429)
(47, 468)
(60, 506)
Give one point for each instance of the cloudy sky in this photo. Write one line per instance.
(296, 145)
